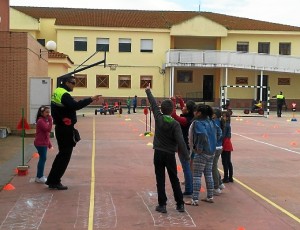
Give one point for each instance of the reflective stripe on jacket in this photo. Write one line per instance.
(57, 95)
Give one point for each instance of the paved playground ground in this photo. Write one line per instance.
(112, 183)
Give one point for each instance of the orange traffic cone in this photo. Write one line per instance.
(8, 187)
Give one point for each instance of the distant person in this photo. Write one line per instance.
(280, 100)
(134, 103)
(227, 148)
(167, 140)
(185, 120)
(128, 104)
(257, 105)
(63, 108)
(42, 140)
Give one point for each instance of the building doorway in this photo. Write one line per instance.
(208, 87)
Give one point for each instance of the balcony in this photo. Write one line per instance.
(229, 59)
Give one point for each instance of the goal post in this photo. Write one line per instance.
(223, 98)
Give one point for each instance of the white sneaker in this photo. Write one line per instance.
(41, 180)
(208, 200)
(221, 186)
(217, 192)
(192, 202)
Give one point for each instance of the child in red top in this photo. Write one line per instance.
(227, 148)
(42, 140)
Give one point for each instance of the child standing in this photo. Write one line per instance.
(203, 139)
(227, 148)
(42, 140)
(167, 140)
(218, 185)
(185, 120)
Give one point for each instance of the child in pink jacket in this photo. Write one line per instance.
(42, 140)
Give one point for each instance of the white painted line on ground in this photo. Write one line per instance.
(265, 143)
(28, 212)
(172, 218)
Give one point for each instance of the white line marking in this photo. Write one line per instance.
(28, 212)
(265, 143)
(170, 219)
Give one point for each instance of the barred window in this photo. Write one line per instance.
(124, 81)
(81, 80)
(144, 81)
(102, 81)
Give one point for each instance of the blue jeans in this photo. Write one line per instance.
(42, 151)
(188, 178)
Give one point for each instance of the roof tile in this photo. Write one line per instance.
(144, 19)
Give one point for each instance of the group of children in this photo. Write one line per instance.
(206, 134)
(199, 135)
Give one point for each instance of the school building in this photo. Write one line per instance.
(183, 53)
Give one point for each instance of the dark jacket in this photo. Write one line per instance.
(68, 110)
(168, 135)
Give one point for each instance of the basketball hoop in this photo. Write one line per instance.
(112, 66)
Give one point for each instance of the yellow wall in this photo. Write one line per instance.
(135, 63)
(22, 22)
(198, 26)
(47, 30)
(230, 42)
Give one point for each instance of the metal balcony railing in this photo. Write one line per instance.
(230, 59)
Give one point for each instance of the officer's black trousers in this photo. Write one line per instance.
(64, 136)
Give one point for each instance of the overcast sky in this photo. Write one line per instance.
(284, 12)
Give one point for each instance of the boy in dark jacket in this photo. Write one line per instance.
(167, 140)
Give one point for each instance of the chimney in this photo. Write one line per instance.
(4, 15)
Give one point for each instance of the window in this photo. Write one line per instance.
(102, 81)
(144, 81)
(184, 76)
(147, 45)
(264, 47)
(81, 80)
(285, 48)
(80, 44)
(124, 81)
(124, 45)
(42, 41)
(102, 44)
(242, 47)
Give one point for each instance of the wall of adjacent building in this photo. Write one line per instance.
(19, 58)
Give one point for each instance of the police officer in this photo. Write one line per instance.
(280, 102)
(63, 109)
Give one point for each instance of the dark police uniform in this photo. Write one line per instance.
(63, 110)
(280, 102)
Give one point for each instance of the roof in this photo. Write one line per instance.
(144, 19)
(54, 54)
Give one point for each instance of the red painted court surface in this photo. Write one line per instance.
(112, 183)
